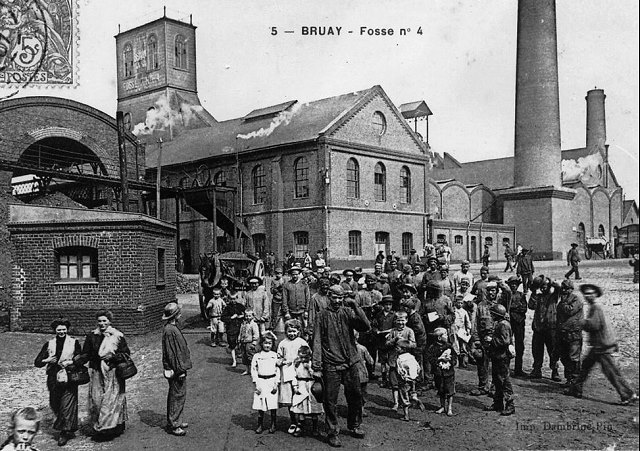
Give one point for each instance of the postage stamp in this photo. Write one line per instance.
(38, 43)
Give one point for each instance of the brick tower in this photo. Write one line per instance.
(596, 122)
(538, 204)
(157, 84)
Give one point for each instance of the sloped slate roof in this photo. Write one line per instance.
(298, 123)
(415, 109)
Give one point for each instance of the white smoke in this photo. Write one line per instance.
(162, 116)
(584, 169)
(283, 118)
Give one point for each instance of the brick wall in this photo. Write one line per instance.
(126, 282)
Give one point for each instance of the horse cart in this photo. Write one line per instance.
(596, 245)
(235, 266)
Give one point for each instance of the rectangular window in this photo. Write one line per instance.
(458, 239)
(441, 238)
(160, 267)
(488, 241)
(407, 243)
(77, 263)
(506, 241)
(301, 243)
(355, 242)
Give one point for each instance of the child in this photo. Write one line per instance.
(409, 370)
(304, 404)
(382, 325)
(214, 310)
(443, 359)
(287, 354)
(248, 337)
(400, 340)
(463, 330)
(23, 427)
(264, 374)
(232, 316)
(366, 361)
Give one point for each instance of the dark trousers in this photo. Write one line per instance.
(518, 338)
(538, 342)
(175, 401)
(568, 350)
(574, 269)
(482, 366)
(276, 307)
(527, 279)
(610, 370)
(333, 378)
(509, 266)
(500, 373)
(63, 400)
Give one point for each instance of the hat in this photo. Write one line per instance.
(256, 278)
(493, 278)
(513, 279)
(409, 287)
(386, 299)
(278, 269)
(60, 322)
(170, 311)
(413, 251)
(378, 265)
(409, 303)
(491, 284)
(590, 286)
(357, 269)
(440, 331)
(346, 272)
(566, 283)
(295, 268)
(336, 290)
(370, 278)
(498, 310)
(574, 244)
(384, 275)
(432, 258)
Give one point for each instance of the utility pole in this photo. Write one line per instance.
(158, 174)
(122, 152)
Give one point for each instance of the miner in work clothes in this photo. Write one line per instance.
(499, 343)
(573, 260)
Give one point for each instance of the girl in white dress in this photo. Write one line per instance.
(305, 404)
(287, 354)
(264, 373)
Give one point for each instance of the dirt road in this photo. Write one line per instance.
(219, 399)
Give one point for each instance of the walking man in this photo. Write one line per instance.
(543, 301)
(573, 260)
(176, 360)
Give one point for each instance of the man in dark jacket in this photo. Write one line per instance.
(543, 301)
(573, 260)
(569, 315)
(295, 296)
(517, 309)
(525, 269)
(336, 358)
(176, 360)
(499, 342)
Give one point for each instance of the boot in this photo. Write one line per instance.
(555, 375)
(495, 407)
(260, 428)
(509, 409)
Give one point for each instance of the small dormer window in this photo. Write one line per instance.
(379, 123)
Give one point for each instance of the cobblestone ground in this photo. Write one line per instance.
(219, 399)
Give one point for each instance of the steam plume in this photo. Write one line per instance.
(283, 118)
(162, 116)
(584, 168)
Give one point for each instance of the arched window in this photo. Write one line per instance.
(301, 169)
(601, 231)
(180, 50)
(405, 185)
(259, 185)
(355, 242)
(152, 52)
(128, 60)
(220, 178)
(407, 243)
(380, 183)
(353, 179)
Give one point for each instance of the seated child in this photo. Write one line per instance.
(23, 427)
(264, 373)
(443, 360)
(214, 310)
(304, 404)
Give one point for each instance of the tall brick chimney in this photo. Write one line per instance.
(538, 161)
(596, 121)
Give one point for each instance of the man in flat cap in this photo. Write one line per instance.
(573, 260)
(295, 296)
(569, 316)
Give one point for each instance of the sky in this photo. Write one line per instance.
(462, 63)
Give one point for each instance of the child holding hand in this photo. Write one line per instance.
(304, 404)
(264, 373)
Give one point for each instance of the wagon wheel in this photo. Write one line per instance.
(588, 253)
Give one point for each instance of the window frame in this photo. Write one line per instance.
(380, 182)
(220, 178)
(78, 252)
(180, 53)
(299, 248)
(407, 243)
(152, 53)
(488, 241)
(355, 243)
(405, 185)
(461, 239)
(161, 266)
(259, 184)
(380, 127)
(353, 179)
(127, 57)
(301, 178)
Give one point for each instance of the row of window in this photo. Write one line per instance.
(379, 182)
(459, 239)
(179, 52)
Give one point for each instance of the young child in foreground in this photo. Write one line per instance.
(366, 361)
(399, 341)
(443, 360)
(287, 354)
(248, 337)
(304, 404)
(23, 427)
(214, 310)
(264, 373)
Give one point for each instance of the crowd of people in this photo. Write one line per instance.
(408, 325)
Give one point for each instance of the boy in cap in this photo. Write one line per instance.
(500, 349)
(381, 326)
(348, 284)
(464, 273)
(442, 358)
(176, 361)
(603, 345)
(295, 295)
(573, 260)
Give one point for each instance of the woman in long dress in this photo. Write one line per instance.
(58, 354)
(104, 348)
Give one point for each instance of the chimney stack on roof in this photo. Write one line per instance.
(596, 121)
